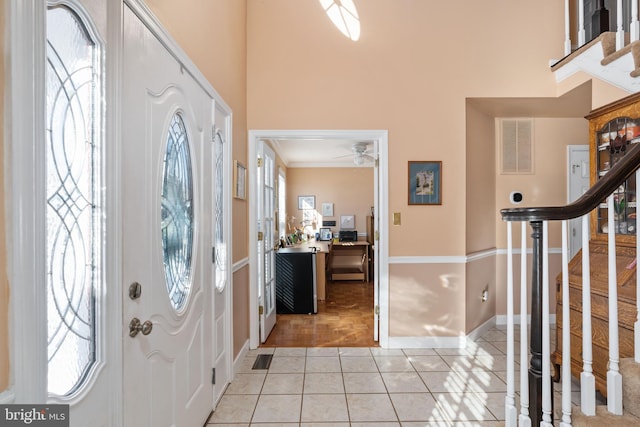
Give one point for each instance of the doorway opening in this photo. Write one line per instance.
(377, 284)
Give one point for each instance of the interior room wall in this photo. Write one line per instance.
(349, 189)
(4, 284)
(304, 74)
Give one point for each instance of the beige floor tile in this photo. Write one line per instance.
(363, 382)
(404, 382)
(416, 407)
(323, 383)
(479, 381)
(428, 363)
(322, 351)
(370, 407)
(247, 383)
(287, 364)
(324, 407)
(462, 407)
(290, 351)
(394, 364)
(283, 384)
(448, 382)
(277, 408)
(355, 351)
(358, 364)
(234, 409)
(323, 364)
(419, 352)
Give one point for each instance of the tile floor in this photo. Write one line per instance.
(370, 386)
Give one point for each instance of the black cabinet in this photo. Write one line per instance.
(296, 291)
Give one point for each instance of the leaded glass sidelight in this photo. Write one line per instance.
(220, 244)
(177, 214)
(73, 225)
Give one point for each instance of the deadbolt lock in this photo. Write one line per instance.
(135, 290)
(135, 326)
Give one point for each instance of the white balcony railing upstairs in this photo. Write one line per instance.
(621, 38)
(536, 391)
(612, 54)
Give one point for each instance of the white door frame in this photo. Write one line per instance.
(381, 140)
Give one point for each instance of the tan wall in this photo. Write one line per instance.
(409, 73)
(480, 181)
(481, 276)
(426, 300)
(4, 284)
(349, 189)
(213, 34)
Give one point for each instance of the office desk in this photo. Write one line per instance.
(349, 261)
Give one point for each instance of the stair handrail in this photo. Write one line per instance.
(615, 177)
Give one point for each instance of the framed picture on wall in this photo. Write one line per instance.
(306, 202)
(327, 209)
(239, 180)
(425, 183)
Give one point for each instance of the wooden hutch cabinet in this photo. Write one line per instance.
(612, 131)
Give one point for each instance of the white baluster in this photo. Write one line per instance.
(634, 27)
(525, 420)
(581, 32)
(511, 414)
(636, 326)
(587, 380)
(547, 420)
(619, 29)
(566, 335)
(567, 29)
(614, 379)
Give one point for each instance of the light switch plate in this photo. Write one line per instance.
(396, 218)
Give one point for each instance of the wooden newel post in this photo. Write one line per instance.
(535, 364)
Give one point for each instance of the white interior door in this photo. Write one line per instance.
(166, 222)
(578, 183)
(267, 243)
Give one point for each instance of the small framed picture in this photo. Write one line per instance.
(425, 183)
(306, 202)
(239, 180)
(325, 234)
(347, 222)
(327, 209)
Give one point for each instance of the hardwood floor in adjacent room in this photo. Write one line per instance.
(344, 319)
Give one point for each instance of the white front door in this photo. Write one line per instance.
(579, 183)
(166, 236)
(267, 242)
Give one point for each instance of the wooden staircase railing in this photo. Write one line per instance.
(536, 395)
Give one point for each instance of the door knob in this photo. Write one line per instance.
(135, 326)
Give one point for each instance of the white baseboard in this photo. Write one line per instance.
(501, 319)
(7, 397)
(455, 342)
(241, 355)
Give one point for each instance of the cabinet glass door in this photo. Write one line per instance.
(613, 141)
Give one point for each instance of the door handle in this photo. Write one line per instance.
(135, 326)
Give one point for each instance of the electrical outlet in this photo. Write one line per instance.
(396, 218)
(485, 294)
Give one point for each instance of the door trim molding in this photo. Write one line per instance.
(381, 138)
(24, 164)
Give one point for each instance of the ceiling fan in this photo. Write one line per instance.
(360, 152)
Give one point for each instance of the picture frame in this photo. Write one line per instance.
(327, 209)
(306, 202)
(325, 234)
(239, 180)
(347, 222)
(425, 182)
